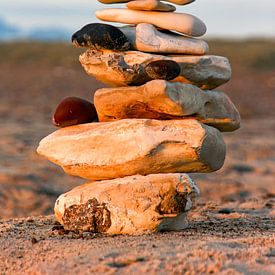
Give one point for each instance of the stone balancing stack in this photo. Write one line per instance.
(160, 120)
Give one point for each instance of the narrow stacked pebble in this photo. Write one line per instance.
(160, 120)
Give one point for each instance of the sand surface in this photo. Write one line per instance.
(232, 228)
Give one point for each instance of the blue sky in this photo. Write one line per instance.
(229, 18)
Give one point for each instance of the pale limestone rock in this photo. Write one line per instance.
(109, 150)
(131, 205)
(150, 5)
(159, 99)
(177, 2)
(179, 22)
(146, 38)
(128, 68)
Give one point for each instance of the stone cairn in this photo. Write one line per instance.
(160, 120)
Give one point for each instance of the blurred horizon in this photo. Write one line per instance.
(57, 20)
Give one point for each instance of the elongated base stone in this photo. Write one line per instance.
(131, 205)
(159, 99)
(109, 150)
(128, 68)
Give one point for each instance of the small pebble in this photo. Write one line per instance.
(34, 240)
(73, 111)
(163, 69)
(225, 211)
(100, 36)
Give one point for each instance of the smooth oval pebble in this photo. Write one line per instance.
(101, 36)
(163, 69)
(73, 111)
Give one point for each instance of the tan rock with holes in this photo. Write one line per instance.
(128, 68)
(130, 205)
(146, 38)
(109, 150)
(159, 99)
(179, 22)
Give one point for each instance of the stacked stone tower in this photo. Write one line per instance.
(160, 120)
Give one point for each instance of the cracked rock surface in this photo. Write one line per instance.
(131, 205)
(128, 68)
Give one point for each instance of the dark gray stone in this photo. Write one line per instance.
(163, 69)
(100, 36)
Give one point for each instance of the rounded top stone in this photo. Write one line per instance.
(73, 111)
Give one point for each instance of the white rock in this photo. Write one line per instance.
(128, 68)
(159, 99)
(146, 38)
(131, 205)
(180, 22)
(127, 147)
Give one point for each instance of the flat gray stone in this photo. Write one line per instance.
(146, 38)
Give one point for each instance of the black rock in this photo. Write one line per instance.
(99, 36)
(74, 110)
(163, 69)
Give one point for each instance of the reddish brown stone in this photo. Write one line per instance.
(72, 111)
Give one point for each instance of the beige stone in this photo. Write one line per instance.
(128, 68)
(109, 150)
(159, 99)
(177, 2)
(146, 38)
(131, 205)
(179, 22)
(150, 5)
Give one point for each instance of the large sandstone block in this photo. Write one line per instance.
(129, 68)
(108, 150)
(131, 205)
(159, 99)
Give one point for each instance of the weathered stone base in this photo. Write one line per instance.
(130, 205)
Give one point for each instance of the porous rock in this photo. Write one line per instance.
(127, 147)
(160, 99)
(130, 205)
(101, 36)
(147, 38)
(128, 68)
(180, 22)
